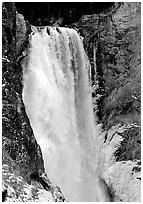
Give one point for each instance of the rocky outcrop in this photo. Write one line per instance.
(112, 41)
(49, 13)
(18, 139)
(21, 154)
(16, 189)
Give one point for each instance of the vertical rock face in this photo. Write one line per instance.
(116, 36)
(21, 154)
(18, 140)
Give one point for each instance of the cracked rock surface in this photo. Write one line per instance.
(113, 42)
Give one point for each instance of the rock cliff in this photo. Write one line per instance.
(113, 42)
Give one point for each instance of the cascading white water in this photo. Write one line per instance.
(58, 102)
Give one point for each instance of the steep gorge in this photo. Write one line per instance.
(112, 42)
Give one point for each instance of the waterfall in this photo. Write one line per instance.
(58, 101)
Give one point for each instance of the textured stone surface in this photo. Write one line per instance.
(17, 190)
(115, 36)
(21, 32)
(18, 139)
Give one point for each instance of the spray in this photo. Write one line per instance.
(58, 102)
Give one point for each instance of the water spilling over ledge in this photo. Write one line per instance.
(58, 101)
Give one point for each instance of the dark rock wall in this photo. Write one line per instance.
(46, 13)
(20, 148)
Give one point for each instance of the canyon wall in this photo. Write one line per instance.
(113, 43)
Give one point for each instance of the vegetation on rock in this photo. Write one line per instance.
(116, 38)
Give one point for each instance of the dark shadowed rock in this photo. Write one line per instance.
(18, 140)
